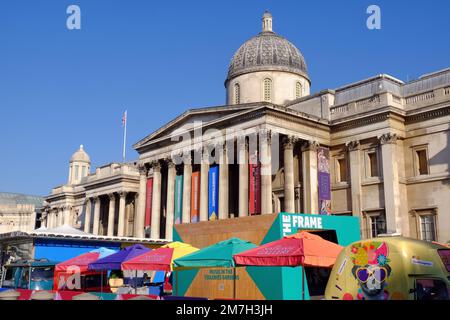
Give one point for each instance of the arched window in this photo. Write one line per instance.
(267, 90)
(237, 93)
(298, 90)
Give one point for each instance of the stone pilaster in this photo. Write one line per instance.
(204, 179)
(266, 172)
(310, 180)
(289, 187)
(243, 176)
(354, 157)
(170, 213)
(391, 185)
(187, 180)
(122, 216)
(156, 201)
(96, 227)
(111, 214)
(87, 216)
(139, 218)
(223, 182)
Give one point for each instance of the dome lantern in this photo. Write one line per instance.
(267, 22)
(80, 166)
(267, 67)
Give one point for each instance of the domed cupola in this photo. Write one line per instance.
(268, 68)
(80, 166)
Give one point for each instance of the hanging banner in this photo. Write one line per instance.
(213, 187)
(195, 197)
(324, 183)
(148, 203)
(254, 205)
(178, 199)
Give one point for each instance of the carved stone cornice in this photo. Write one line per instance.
(388, 138)
(353, 145)
(432, 114)
(310, 146)
(359, 122)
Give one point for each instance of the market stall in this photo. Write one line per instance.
(301, 249)
(219, 255)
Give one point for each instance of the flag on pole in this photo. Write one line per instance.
(124, 125)
(124, 119)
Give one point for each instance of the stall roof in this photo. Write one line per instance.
(58, 234)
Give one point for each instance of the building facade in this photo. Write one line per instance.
(377, 149)
(19, 212)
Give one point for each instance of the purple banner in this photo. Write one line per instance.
(324, 183)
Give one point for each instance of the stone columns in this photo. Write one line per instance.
(67, 215)
(122, 216)
(139, 218)
(61, 216)
(266, 172)
(388, 143)
(187, 180)
(156, 201)
(243, 176)
(355, 177)
(223, 182)
(310, 181)
(204, 180)
(87, 216)
(170, 213)
(96, 227)
(111, 214)
(289, 188)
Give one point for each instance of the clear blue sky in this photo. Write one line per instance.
(61, 88)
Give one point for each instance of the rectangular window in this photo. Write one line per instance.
(377, 224)
(431, 289)
(83, 174)
(428, 227)
(422, 161)
(76, 172)
(373, 164)
(342, 170)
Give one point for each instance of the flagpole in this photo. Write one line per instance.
(125, 136)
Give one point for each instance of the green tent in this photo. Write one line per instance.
(219, 255)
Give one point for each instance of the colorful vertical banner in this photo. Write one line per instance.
(324, 183)
(254, 205)
(195, 197)
(148, 203)
(178, 199)
(213, 187)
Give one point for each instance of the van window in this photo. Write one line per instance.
(431, 289)
(445, 257)
(8, 281)
(24, 280)
(41, 274)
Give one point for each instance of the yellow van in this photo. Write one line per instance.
(391, 268)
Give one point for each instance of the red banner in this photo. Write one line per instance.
(148, 205)
(195, 197)
(254, 189)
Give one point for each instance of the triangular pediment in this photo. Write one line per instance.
(188, 120)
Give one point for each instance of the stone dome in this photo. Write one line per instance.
(267, 51)
(80, 156)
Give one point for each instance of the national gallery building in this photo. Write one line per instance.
(377, 149)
